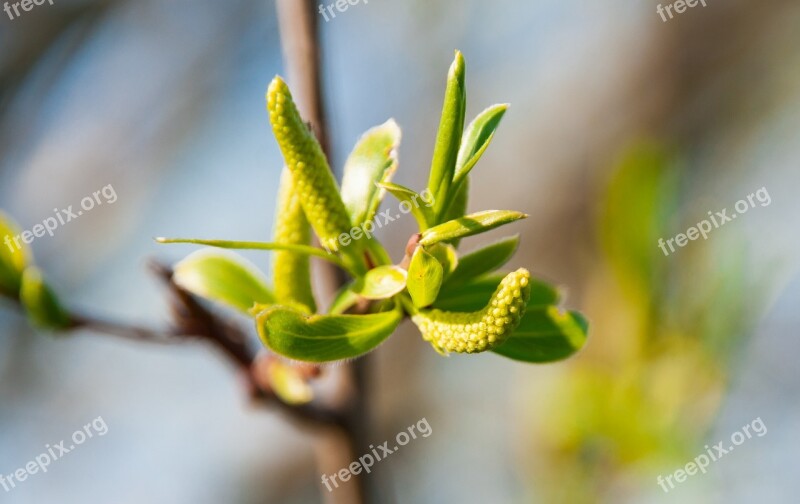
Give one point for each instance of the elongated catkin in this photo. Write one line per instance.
(483, 329)
(291, 270)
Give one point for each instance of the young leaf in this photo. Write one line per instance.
(40, 302)
(251, 245)
(373, 160)
(425, 276)
(420, 206)
(475, 294)
(382, 282)
(446, 255)
(484, 260)
(323, 338)
(469, 225)
(226, 278)
(448, 139)
(458, 207)
(460, 199)
(474, 143)
(545, 334)
(291, 271)
(476, 139)
(13, 256)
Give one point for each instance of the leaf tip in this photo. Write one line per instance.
(457, 69)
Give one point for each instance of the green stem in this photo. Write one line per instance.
(408, 305)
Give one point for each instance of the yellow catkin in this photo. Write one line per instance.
(291, 271)
(481, 330)
(313, 180)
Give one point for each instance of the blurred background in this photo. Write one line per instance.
(622, 129)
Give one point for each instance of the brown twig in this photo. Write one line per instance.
(193, 322)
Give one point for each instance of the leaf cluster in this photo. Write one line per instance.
(457, 299)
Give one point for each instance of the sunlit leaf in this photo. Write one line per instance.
(484, 260)
(425, 276)
(448, 139)
(545, 334)
(458, 207)
(477, 138)
(373, 160)
(446, 255)
(469, 225)
(420, 206)
(382, 282)
(475, 294)
(226, 278)
(475, 141)
(323, 338)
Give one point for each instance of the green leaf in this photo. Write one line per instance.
(484, 260)
(420, 205)
(425, 276)
(40, 302)
(324, 338)
(382, 282)
(469, 225)
(458, 207)
(475, 294)
(477, 138)
(474, 143)
(545, 334)
(251, 245)
(226, 278)
(13, 258)
(373, 160)
(448, 139)
(446, 255)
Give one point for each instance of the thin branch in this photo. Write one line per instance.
(196, 323)
(139, 334)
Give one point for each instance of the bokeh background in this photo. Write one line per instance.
(622, 129)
